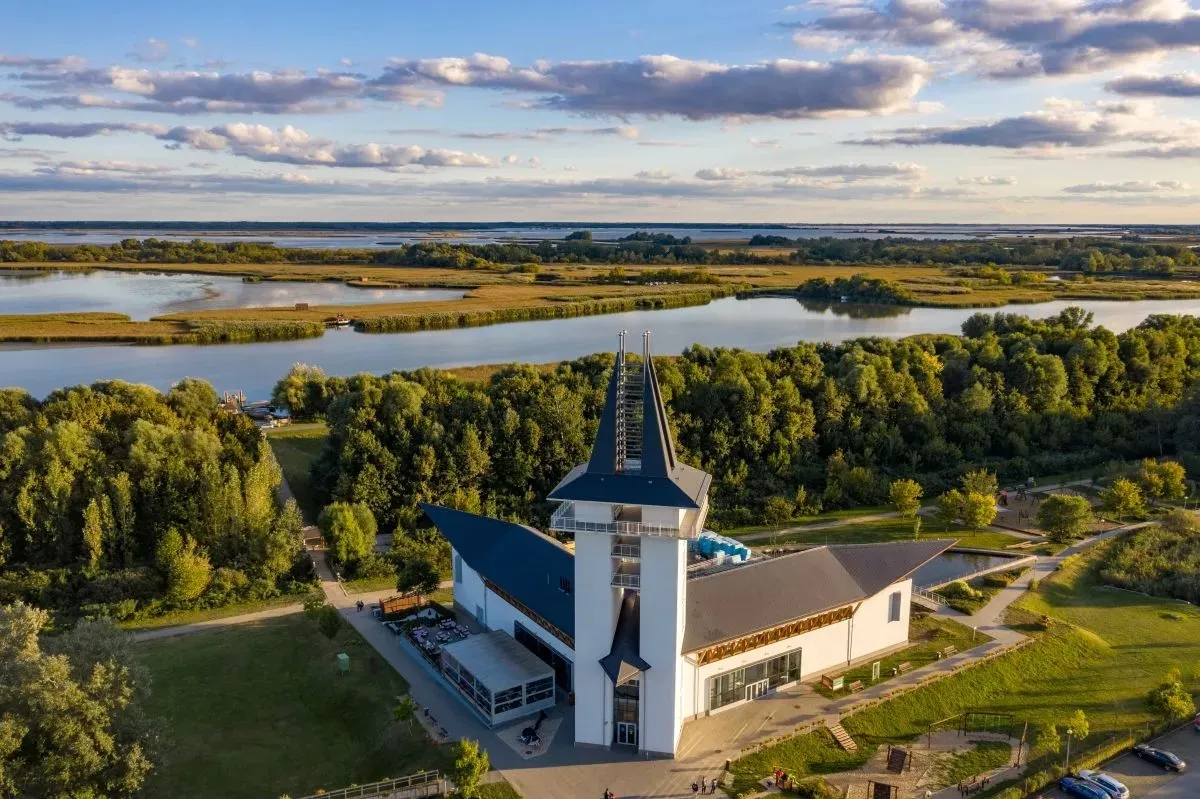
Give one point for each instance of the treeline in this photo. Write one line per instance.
(1088, 255)
(808, 426)
(119, 501)
(858, 289)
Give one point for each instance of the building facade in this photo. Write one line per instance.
(652, 620)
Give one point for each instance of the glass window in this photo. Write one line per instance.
(564, 585)
(544, 684)
(894, 607)
(457, 568)
(730, 687)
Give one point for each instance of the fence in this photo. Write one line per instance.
(426, 783)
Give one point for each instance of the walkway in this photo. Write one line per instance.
(213, 624)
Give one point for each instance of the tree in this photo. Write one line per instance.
(978, 510)
(1078, 725)
(186, 570)
(905, 497)
(1163, 479)
(350, 529)
(405, 710)
(327, 617)
(950, 507)
(1047, 740)
(980, 481)
(70, 720)
(93, 537)
(470, 766)
(417, 576)
(777, 510)
(1122, 498)
(1064, 517)
(1170, 700)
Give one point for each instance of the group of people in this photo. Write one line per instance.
(704, 786)
(783, 780)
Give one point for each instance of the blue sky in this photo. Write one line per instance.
(819, 111)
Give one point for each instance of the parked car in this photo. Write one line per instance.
(1160, 757)
(1081, 789)
(1111, 785)
(1196, 723)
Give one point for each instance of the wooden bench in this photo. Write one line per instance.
(855, 686)
(948, 651)
(903, 667)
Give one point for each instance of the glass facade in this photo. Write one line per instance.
(625, 712)
(746, 682)
(509, 699)
(561, 666)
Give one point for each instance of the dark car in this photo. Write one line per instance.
(1082, 789)
(1159, 757)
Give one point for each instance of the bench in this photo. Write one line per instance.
(948, 651)
(855, 686)
(903, 667)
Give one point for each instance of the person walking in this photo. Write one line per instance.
(703, 785)
(712, 785)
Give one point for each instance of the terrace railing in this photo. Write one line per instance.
(426, 783)
(563, 520)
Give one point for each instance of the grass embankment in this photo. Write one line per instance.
(928, 635)
(297, 449)
(1103, 653)
(259, 710)
(119, 328)
(985, 756)
(182, 617)
(498, 790)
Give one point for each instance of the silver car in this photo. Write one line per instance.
(1110, 785)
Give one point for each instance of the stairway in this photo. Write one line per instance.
(842, 737)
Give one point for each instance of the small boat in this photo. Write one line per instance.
(340, 321)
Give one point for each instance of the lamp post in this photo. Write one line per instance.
(1067, 764)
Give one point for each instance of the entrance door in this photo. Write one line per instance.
(627, 734)
(756, 689)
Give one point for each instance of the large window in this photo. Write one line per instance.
(457, 568)
(894, 607)
(625, 701)
(732, 686)
(561, 666)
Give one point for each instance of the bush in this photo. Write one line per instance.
(960, 590)
(373, 565)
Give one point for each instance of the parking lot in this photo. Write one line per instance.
(1147, 781)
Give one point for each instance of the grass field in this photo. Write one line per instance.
(985, 756)
(1104, 652)
(182, 617)
(893, 529)
(258, 710)
(297, 448)
(498, 790)
(800, 521)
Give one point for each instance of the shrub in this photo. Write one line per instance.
(960, 590)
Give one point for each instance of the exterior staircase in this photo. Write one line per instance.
(842, 737)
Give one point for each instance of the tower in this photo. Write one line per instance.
(632, 509)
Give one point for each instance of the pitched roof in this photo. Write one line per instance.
(660, 480)
(522, 561)
(767, 593)
(624, 659)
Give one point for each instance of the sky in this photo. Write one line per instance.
(858, 111)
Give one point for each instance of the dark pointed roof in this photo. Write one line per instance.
(661, 479)
(624, 659)
(764, 594)
(524, 562)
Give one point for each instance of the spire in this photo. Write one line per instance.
(658, 451)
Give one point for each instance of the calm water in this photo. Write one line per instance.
(143, 295)
(465, 233)
(952, 565)
(759, 324)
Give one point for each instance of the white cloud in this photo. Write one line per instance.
(721, 173)
(987, 180)
(764, 144)
(1128, 187)
(654, 174)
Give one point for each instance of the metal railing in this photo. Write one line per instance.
(563, 520)
(626, 550)
(627, 579)
(426, 783)
(928, 595)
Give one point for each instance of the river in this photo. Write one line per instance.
(143, 295)
(758, 324)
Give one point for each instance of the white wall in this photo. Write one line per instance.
(872, 630)
(663, 517)
(664, 562)
(596, 606)
(501, 615)
(470, 592)
(594, 512)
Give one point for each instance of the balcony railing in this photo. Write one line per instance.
(563, 520)
(627, 580)
(626, 550)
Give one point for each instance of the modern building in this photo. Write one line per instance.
(653, 620)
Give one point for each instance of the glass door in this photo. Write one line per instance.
(627, 734)
(756, 689)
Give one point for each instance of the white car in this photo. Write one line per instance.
(1111, 786)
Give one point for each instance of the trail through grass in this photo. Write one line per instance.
(297, 449)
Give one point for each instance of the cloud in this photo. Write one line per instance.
(850, 173)
(47, 64)
(74, 130)
(721, 173)
(764, 144)
(539, 134)
(509, 160)
(987, 180)
(93, 167)
(664, 85)
(151, 51)
(653, 174)
(1181, 84)
(1128, 187)
(1016, 38)
(1059, 125)
(190, 42)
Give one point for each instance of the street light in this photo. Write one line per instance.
(1067, 764)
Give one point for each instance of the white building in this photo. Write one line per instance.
(653, 620)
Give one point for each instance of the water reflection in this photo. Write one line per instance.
(855, 310)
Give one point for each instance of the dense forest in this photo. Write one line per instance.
(814, 425)
(1087, 255)
(116, 500)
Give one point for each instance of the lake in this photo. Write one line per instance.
(143, 295)
(953, 565)
(758, 324)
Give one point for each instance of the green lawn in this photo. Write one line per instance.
(985, 756)
(498, 790)
(928, 634)
(1103, 654)
(364, 585)
(800, 521)
(259, 710)
(181, 617)
(297, 448)
(879, 530)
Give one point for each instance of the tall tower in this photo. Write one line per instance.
(632, 508)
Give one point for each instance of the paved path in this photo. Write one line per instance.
(212, 624)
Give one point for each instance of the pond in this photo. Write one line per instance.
(954, 565)
(759, 324)
(143, 295)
